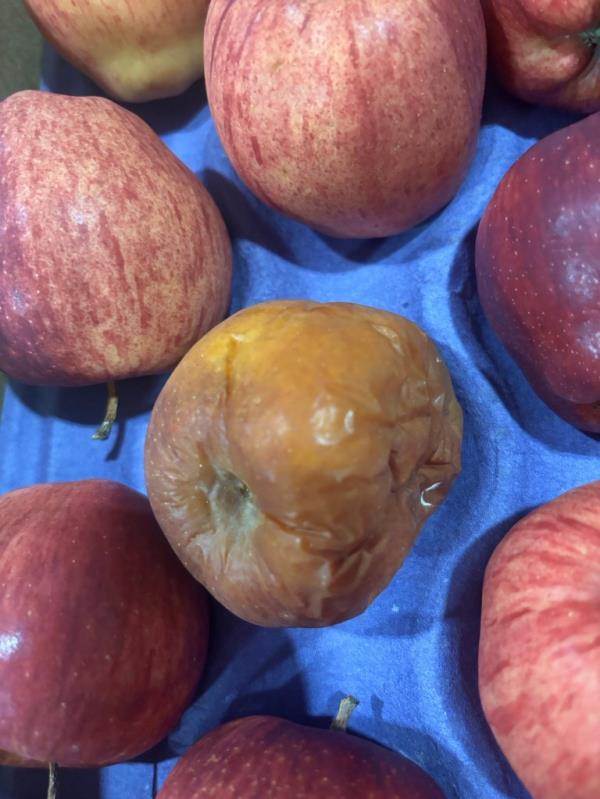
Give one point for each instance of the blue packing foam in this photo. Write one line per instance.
(411, 657)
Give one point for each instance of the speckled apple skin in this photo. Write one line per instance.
(538, 269)
(357, 117)
(136, 51)
(262, 757)
(539, 655)
(103, 634)
(114, 259)
(538, 53)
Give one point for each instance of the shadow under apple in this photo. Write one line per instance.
(524, 119)
(33, 783)
(86, 405)
(462, 616)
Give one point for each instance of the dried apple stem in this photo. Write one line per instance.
(110, 417)
(347, 706)
(52, 791)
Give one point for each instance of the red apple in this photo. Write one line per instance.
(539, 656)
(545, 51)
(358, 117)
(264, 756)
(113, 258)
(538, 269)
(103, 634)
(295, 453)
(134, 51)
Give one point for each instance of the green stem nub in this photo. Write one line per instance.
(347, 706)
(591, 37)
(110, 417)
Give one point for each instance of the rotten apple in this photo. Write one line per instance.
(357, 117)
(539, 654)
(265, 756)
(134, 51)
(114, 259)
(103, 634)
(296, 451)
(546, 51)
(538, 269)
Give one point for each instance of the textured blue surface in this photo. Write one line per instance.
(411, 657)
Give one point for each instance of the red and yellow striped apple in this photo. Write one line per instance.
(539, 654)
(103, 634)
(357, 117)
(114, 259)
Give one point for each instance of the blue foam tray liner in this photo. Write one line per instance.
(411, 658)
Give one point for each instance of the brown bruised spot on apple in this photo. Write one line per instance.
(262, 757)
(114, 259)
(539, 652)
(546, 52)
(103, 634)
(356, 117)
(135, 51)
(296, 451)
(538, 269)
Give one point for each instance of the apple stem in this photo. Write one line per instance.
(346, 708)
(591, 38)
(52, 794)
(110, 417)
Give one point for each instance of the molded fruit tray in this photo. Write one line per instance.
(411, 658)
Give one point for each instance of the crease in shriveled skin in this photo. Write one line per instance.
(541, 53)
(334, 441)
(134, 51)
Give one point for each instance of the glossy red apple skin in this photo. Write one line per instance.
(539, 655)
(114, 260)
(263, 757)
(357, 117)
(103, 634)
(538, 269)
(539, 53)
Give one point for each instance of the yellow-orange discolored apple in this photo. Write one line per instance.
(135, 51)
(114, 259)
(295, 453)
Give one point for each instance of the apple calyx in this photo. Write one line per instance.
(345, 710)
(52, 783)
(110, 416)
(591, 37)
(232, 503)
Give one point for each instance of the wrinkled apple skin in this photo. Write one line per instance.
(134, 51)
(539, 654)
(357, 117)
(296, 451)
(538, 269)
(114, 259)
(262, 757)
(546, 51)
(103, 634)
